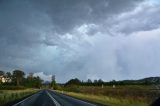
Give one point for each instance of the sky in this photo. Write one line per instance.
(85, 39)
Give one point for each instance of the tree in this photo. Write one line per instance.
(33, 82)
(53, 83)
(53, 78)
(100, 81)
(18, 75)
(89, 81)
(30, 76)
(75, 81)
(1, 73)
(37, 82)
(8, 76)
(95, 81)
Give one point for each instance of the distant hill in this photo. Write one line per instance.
(144, 81)
(150, 80)
(46, 82)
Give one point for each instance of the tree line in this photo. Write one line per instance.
(17, 78)
(100, 82)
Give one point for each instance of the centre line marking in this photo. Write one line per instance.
(56, 103)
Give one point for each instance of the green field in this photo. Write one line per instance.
(126, 95)
(7, 96)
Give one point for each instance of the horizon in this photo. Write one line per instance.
(48, 78)
(86, 39)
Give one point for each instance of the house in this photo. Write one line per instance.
(2, 79)
(5, 79)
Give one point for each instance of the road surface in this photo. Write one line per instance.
(52, 98)
(156, 102)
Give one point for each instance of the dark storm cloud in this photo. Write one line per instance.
(66, 15)
(64, 36)
(22, 21)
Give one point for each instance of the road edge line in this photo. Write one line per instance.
(55, 102)
(75, 98)
(24, 99)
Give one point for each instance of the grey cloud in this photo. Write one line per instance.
(66, 15)
(50, 36)
(143, 18)
(18, 16)
(139, 55)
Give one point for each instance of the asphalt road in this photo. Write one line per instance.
(52, 98)
(156, 102)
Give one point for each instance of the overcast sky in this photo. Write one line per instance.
(107, 39)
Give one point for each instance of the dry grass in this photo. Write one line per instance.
(105, 100)
(129, 95)
(11, 95)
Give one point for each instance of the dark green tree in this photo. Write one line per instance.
(1, 73)
(89, 81)
(18, 76)
(75, 81)
(8, 76)
(53, 82)
(37, 81)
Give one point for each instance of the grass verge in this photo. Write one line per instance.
(105, 100)
(7, 96)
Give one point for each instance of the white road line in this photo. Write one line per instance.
(75, 98)
(24, 100)
(56, 103)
